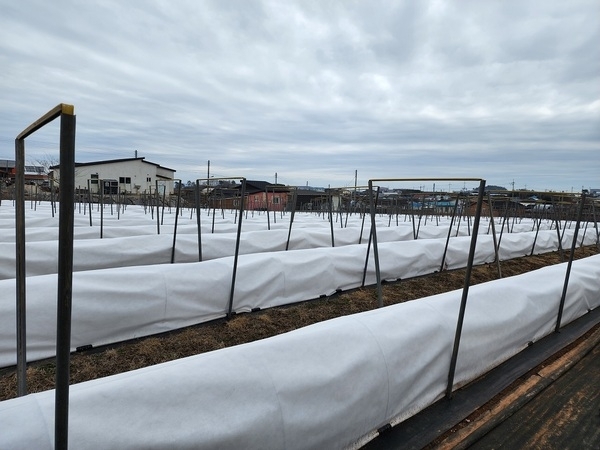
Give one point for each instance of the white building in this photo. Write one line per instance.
(131, 175)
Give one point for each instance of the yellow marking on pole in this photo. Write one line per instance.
(67, 109)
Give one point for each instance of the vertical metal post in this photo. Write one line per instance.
(375, 248)
(330, 206)
(65, 278)
(156, 200)
(237, 249)
(267, 208)
(198, 213)
(596, 225)
(176, 217)
(465, 293)
(67, 145)
(569, 264)
(101, 184)
(164, 196)
(537, 231)
(364, 278)
(557, 221)
(362, 227)
(294, 200)
(20, 266)
(496, 246)
(90, 201)
(443, 263)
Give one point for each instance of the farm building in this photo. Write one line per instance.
(33, 174)
(262, 195)
(127, 175)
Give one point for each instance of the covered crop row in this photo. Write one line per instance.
(330, 385)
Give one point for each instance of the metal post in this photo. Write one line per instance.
(176, 217)
(443, 263)
(90, 201)
(362, 227)
(369, 243)
(465, 293)
(375, 249)
(237, 249)
(20, 266)
(557, 221)
(294, 200)
(569, 264)
(537, 231)
(65, 278)
(596, 225)
(198, 220)
(496, 246)
(329, 204)
(20, 274)
(162, 214)
(267, 208)
(157, 199)
(101, 184)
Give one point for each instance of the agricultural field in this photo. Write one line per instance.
(141, 297)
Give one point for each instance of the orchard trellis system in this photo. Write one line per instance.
(574, 211)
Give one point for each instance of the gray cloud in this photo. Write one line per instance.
(314, 90)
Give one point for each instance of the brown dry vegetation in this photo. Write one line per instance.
(244, 328)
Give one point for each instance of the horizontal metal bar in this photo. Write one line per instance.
(220, 178)
(55, 112)
(426, 179)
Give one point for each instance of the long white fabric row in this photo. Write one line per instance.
(330, 385)
(112, 305)
(91, 254)
(42, 226)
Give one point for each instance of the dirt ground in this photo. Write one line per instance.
(244, 328)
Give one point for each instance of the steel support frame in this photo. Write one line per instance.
(65, 262)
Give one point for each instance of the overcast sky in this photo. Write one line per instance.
(314, 90)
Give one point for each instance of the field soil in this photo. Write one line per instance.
(243, 328)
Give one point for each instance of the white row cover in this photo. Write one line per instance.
(91, 254)
(41, 226)
(146, 249)
(329, 385)
(112, 305)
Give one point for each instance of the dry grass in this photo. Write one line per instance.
(250, 327)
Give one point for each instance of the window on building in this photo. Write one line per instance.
(149, 179)
(275, 200)
(94, 178)
(125, 180)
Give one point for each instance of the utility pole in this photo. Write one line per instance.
(208, 174)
